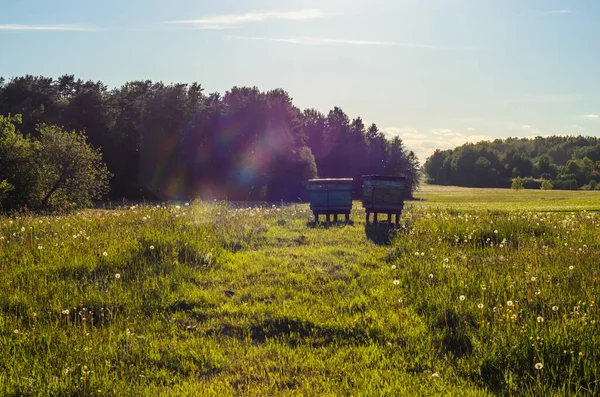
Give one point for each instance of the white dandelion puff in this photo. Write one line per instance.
(539, 366)
(396, 282)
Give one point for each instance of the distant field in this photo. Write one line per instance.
(464, 299)
(507, 199)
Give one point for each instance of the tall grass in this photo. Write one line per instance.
(217, 299)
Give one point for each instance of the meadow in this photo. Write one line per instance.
(479, 292)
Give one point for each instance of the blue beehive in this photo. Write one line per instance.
(330, 196)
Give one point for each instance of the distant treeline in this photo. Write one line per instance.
(177, 142)
(567, 162)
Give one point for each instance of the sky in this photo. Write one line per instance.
(437, 73)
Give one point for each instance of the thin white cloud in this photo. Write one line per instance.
(394, 131)
(329, 41)
(526, 127)
(236, 20)
(592, 116)
(471, 129)
(453, 134)
(44, 28)
(559, 12)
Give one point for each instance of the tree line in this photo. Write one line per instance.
(557, 162)
(174, 141)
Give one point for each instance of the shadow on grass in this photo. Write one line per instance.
(327, 225)
(295, 332)
(381, 233)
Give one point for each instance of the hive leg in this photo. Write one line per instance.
(347, 214)
(375, 214)
(367, 217)
(316, 218)
(389, 218)
(335, 218)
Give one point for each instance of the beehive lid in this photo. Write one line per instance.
(331, 180)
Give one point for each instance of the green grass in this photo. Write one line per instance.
(469, 199)
(211, 299)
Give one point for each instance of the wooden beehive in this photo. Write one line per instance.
(383, 194)
(330, 195)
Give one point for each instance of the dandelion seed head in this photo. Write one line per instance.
(462, 297)
(540, 319)
(555, 308)
(539, 366)
(105, 253)
(151, 247)
(480, 306)
(509, 303)
(118, 276)
(396, 282)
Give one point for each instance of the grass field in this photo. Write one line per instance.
(460, 198)
(480, 292)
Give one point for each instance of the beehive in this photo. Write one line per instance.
(383, 194)
(330, 196)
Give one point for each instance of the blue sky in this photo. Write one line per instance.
(437, 73)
